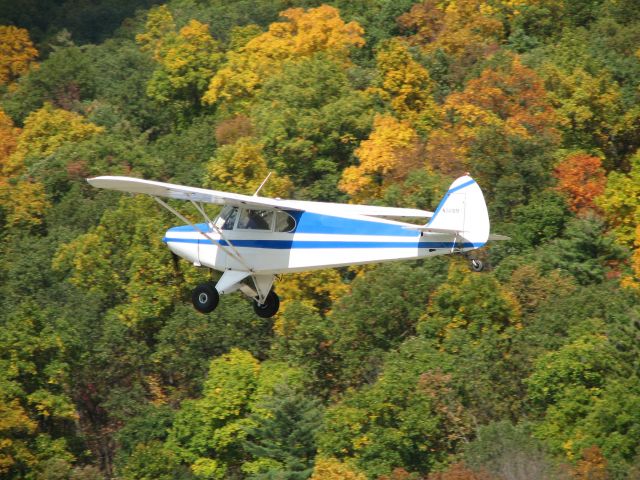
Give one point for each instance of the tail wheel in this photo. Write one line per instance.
(205, 297)
(270, 306)
(477, 265)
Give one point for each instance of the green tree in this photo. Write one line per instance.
(410, 416)
(381, 311)
(509, 451)
(66, 78)
(122, 72)
(282, 438)
(208, 432)
(303, 339)
(188, 340)
(330, 118)
(584, 251)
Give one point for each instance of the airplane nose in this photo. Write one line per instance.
(183, 242)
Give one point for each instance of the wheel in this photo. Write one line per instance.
(477, 265)
(205, 297)
(270, 306)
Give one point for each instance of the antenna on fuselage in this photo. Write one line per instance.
(262, 184)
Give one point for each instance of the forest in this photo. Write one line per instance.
(420, 370)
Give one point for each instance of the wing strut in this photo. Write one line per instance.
(202, 212)
(219, 231)
(234, 253)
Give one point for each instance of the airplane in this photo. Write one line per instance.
(255, 238)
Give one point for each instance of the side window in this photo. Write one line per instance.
(227, 218)
(284, 222)
(255, 219)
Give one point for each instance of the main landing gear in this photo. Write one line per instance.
(270, 306)
(205, 299)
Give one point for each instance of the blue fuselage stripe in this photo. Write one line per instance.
(317, 244)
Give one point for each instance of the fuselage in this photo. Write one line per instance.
(315, 241)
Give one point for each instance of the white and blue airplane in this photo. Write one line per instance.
(254, 238)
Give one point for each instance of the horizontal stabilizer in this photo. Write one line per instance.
(496, 237)
(461, 213)
(425, 228)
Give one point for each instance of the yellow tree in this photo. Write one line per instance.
(22, 194)
(17, 53)
(635, 262)
(318, 289)
(241, 167)
(46, 130)
(621, 202)
(14, 424)
(387, 156)
(302, 34)
(159, 27)
(328, 468)
(589, 107)
(592, 466)
(406, 85)
(9, 134)
(187, 59)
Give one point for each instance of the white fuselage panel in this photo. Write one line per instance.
(319, 241)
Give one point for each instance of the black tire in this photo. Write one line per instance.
(205, 297)
(270, 306)
(476, 265)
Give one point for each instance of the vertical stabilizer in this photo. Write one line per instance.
(463, 211)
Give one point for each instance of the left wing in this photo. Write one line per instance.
(203, 195)
(179, 192)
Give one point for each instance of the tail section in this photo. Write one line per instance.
(463, 212)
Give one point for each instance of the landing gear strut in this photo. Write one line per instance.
(205, 297)
(270, 306)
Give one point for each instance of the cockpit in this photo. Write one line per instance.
(234, 218)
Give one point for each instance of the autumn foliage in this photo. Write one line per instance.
(406, 85)
(592, 465)
(415, 370)
(458, 471)
(302, 34)
(581, 178)
(466, 29)
(391, 151)
(511, 100)
(17, 53)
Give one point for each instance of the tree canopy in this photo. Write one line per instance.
(417, 370)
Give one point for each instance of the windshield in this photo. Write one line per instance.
(227, 218)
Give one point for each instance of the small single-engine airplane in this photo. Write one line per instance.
(254, 238)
